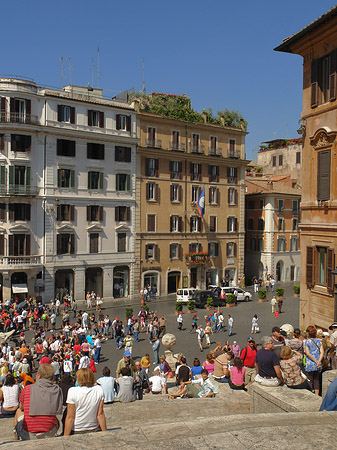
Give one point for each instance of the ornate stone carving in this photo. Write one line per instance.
(322, 139)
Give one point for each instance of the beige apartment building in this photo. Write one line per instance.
(176, 160)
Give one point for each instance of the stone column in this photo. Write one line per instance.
(6, 289)
(107, 281)
(79, 283)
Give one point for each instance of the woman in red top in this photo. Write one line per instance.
(77, 347)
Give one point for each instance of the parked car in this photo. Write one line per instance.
(185, 294)
(200, 298)
(242, 294)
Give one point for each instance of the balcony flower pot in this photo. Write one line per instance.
(262, 293)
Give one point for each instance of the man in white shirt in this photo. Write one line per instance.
(97, 347)
(85, 316)
(84, 362)
(57, 305)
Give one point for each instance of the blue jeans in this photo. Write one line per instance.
(156, 356)
(119, 341)
(97, 354)
(222, 380)
(330, 400)
(230, 331)
(136, 336)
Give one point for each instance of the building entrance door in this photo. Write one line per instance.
(173, 282)
(194, 277)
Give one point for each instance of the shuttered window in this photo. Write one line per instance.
(21, 143)
(93, 242)
(151, 222)
(323, 79)
(323, 176)
(95, 213)
(66, 148)
(95, 151)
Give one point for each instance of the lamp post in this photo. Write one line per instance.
(334, 273)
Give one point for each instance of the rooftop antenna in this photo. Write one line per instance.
(92, 72)
(97, 67)
(69, 61)
(143, 87)
(62, 70)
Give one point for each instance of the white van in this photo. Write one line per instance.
(184, 295)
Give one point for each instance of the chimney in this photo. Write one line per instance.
(270, 185)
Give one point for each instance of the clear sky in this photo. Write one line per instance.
(220, 52)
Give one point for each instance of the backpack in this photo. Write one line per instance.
(202, 334)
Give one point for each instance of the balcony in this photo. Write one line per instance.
(19, 262)
(155, 143)
(235, 154)
(18, 189)
(197, 148)
(214, 151)
(19, 118)
(177, 147)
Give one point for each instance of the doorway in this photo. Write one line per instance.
(279, 271)
(194, 277)
(173, 282)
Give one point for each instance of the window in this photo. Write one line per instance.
(280, 160)
(231, 249)
(251, 223)
(176, 170)
(213, 249)
(231, 151)
(95, 151)
(214, 196)
(151, 167)
(151, 222)
(323, 79)
(274, 161)
(260, 224)
(213, 142)
(122, 154)
(95, 213)
(121, 242)
(281, 244)
(19, 178)
(260, 244)
(195, 171)
(212, 224)
(293, 244)
(3, 211)
(95, 180)
(21, 143)
(323, 175)
(320, 263)
(232, 224)
(66, 213)
(150, 251)
(298, 157)
(2, 141)
(152, 192)
(253, 244)
(65, 114)
(175, 251)
(195, 194)
(175, 140)
(261, 204)
(18, 211)
(19, 245)
(123, 182)
(122, 214)
(175, 224)
(195, 144)
(295, 206)
(20, 110)
(195, 248)
(280, 224)
(95, 118)
(280, 205)
(295, 225)
(251, 204)
(66, 148)
(195, 224)
(176, 193)
(123, 122)
(232, 175)
(65, 178)
(65, 244)
(232, 196)
(93, 242)
(213, 173)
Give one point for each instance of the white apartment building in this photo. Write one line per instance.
(67, 192)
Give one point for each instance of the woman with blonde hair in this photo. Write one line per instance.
(85, 405)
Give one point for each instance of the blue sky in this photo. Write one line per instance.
(219, 53)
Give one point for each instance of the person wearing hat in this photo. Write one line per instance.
(194, 325)
(180, 320)
(333, 341)
(248, 355)
(278, 341)
(126, 361)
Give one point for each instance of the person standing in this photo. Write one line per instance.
(230, 325)
(162, 326)
(314, 351)
(180, 320)
(155, 348)
(194, 322)
(221, 322)
(272, 283)
(141, 381)
(273, 303)
(333, 341)
(248, 355)
(97, 349)
(279, 304)
(201, 334)
(255, 324)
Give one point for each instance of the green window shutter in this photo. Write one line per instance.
(2, 175)
(101, 180)
(11, 175)
(27, 176)
(72, 178)
(128, 182)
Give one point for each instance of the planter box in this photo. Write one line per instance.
(230, 305)
(210, 308)
(190, 311)
(296, 295)
(262, 300)
(279, 298)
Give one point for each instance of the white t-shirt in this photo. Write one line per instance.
(86, 400)
(156, 383)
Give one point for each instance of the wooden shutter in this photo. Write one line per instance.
(323, 179)
(3, 109)
(2, 142)
(58, 213)
(180, 223)
(3, 212)
(157, 253)
(11, 170)
(72, 178)
(191, 171)
(128, 124)
(190, 248)
(118, 121)
(212, 223)
(101, 119)
(11, 207)
(101, 180)
(88, 213)
(229, 195)
(151, 224)
(191, 224)
(171, 223)
(234, 248)
(12, 107)
(314, 83)
(227, 249)
(100, 213)
(72, 244)
(330, 268)
(171, 192)
(117, 214)
(11, 245)
(180, 193)
(58, 244)
(147, 191)
(156, 162)
(310, 268)
(72, 213)
(2, 245)
(59, 113)
(217, 174)
(128, 214)
(200, 248)
(89, 117)
(218, 197)
(199, 224)
(332, 76)
(235, 224)
(72, 148)
(171, 169)
(236, 196)
(27, 239)
(28, 143)
(156, 192)
(209, 173)
(28, 108)
(147, 163)
(199, 172)
(209, 195)
(27, 176)
(180, 169)
(72, 114)
(27, 211)
(235, 175)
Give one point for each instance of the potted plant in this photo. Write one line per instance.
(280, 293)
(230, 300)
(262, 293)
(191, 306)
(296, 291)
(128, 313)
(209, 303)
(147, 309)
(178, 307)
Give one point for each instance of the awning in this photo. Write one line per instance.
(19, 288)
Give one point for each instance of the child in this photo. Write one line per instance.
(92, 365)
(255, 324)
(128, 341)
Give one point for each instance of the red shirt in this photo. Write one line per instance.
(34, 424)
(248, 356)
(77, 348)
(45, 360)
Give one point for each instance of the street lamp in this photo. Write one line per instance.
(334, 273)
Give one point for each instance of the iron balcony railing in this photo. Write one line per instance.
(214, 151)
(197, 148)
(177, 147)
(18, 189)
(153, 143)
(19, 118)
(233, 154)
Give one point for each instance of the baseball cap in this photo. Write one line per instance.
(127, 353)
(250, 339)
(333, 325)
